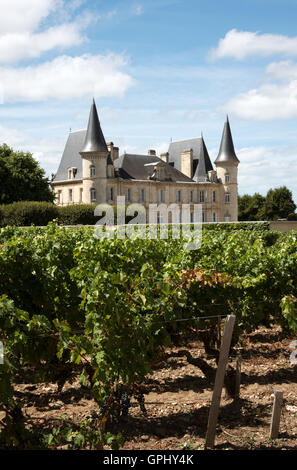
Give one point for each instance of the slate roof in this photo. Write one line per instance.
(131, 166)
(201, 160)
(227, 152)
(71, 156)
(94, 141)
(204, 164)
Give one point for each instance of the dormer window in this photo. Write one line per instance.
(71, 173)
(92, 171)
(159, 174)
(110, 172)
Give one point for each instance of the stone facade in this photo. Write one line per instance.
(94, 173)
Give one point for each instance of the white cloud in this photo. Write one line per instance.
(66, 77)
(285, 70)
(271, 100)
(18, 46)
(22, 16)
(266, 102)
(11, 137)
(241, 44)
(21, 33)
(262, 168)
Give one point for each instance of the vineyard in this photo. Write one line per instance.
(102, 315)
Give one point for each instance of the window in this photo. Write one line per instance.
(191, 217)
(159, 174)
(93, 194)
(203, 217)
(214, 197)
(214, 217)
(161, 197)
(92, 170)
(178, 196)
(160, 218)
(227, 178)
(110, 194)
(128, 195)
(141, 195)
(227, 218)
(227, 198)
(80, 194)
(191, 196)
(201, 196)
(109, 172)
(69, 173)
(60, 200)
(70, 195)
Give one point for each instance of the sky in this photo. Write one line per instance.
(159, 70)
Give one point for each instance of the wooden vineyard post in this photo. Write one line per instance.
(276, 414)
(238, 377)
(219, 382)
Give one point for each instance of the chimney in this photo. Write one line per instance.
(187, 162)
(165, 157)
(114, 151)
(152, 153)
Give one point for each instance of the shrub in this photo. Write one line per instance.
(77, 214)
(25, 213)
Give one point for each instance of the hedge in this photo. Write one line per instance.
(258, 226)
(26, 213)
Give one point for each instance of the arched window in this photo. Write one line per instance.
(92, 170)
(93, 194)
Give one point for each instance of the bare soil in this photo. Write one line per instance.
(178, 396)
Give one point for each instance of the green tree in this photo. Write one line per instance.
(279, 204)
(250, 207)
(21, 178)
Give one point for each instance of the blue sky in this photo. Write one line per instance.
(159, 70)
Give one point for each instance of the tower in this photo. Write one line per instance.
(227, 164)
(94, 161)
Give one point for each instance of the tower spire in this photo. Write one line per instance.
(227, 152)
(94, 140)
(204, 164)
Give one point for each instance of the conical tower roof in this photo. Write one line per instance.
(204, 164)
(227, 152)
(94, 141)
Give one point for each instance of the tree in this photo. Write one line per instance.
(279, 204)
(21, 178)
(250, 207)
